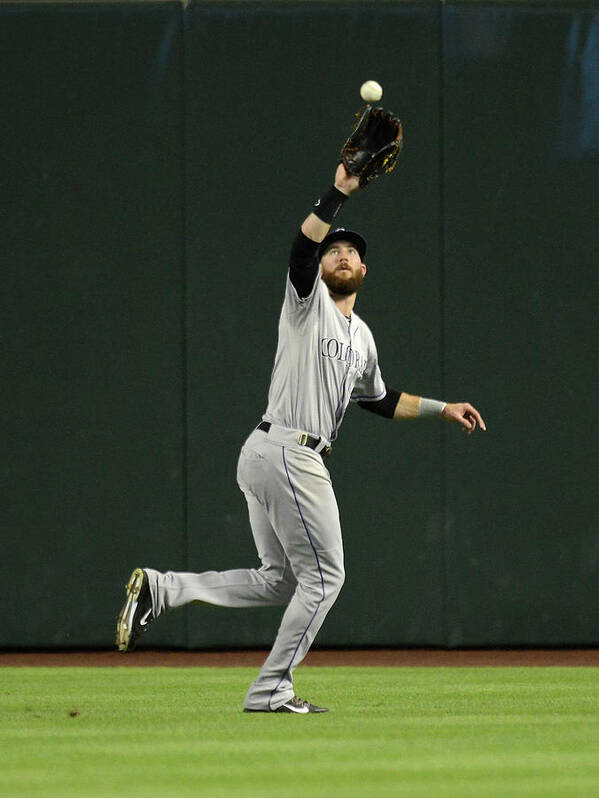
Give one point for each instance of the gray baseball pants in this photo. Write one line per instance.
(295, 523)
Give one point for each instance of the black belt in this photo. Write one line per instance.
(304, 439)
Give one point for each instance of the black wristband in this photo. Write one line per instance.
(329, 205)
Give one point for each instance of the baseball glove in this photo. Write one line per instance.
(374, 145)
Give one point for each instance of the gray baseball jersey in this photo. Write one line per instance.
(323, 361)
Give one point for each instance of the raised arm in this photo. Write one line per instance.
(318, 223)
(303, 266)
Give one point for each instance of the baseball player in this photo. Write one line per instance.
(326, 357)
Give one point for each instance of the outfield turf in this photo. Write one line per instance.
(390, 732)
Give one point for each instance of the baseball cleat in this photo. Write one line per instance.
(137, 612)
(296, 705)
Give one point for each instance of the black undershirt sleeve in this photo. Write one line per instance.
(303, 264)
(383, 407)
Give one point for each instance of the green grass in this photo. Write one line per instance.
(391, 732)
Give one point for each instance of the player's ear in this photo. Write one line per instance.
(364, 269)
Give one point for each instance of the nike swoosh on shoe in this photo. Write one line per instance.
(298, 710)
(144, 621)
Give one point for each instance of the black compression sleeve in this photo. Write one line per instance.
(383, 407)
(303, 265)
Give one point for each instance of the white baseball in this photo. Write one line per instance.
(371, 91)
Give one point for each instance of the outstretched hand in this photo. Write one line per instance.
(345, 182)
(464, 414)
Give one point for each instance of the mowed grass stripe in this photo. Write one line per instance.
(391, 731)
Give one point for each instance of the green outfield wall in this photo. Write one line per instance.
(157, 161)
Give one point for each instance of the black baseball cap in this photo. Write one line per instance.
(341, 234)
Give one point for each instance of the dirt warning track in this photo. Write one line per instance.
(361, 657)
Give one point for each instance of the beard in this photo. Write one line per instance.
(343, 286)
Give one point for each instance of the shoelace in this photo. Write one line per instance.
(298, 702)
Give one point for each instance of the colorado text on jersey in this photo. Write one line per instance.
(337, 350)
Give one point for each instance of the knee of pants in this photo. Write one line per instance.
(325, 583)
(335, 581)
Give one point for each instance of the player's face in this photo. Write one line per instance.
(342, 268)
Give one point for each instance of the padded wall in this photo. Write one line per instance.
(521, 286)
(158, 160)
(92, 313)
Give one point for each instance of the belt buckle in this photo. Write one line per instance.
(303, 439)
